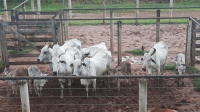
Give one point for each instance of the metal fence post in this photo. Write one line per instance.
(142, 95)
(111, 32)
(188, 44)
(158, 26)
(119, 30)
(24, 97)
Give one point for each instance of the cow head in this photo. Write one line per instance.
(6, 72)
(45, 54)
(76, 66)
(147, 59)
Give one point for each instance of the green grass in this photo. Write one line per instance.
(196, 84)
(1, 66)
(136, 52)
(26, 51)
(170, 67)
(192, 70)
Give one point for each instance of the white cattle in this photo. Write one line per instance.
(180, 65)
(95, 66)
(92, 50)
(62, 66)
(46, 51)
(38, 84)
(156, 58)
(15, 84)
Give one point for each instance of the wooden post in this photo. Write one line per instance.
(24, 97)
(66, 25)
(137, 10)
(188, 44)
(70, 11)
(54, 31)
(5, 8)
(119, 31)
(33, 7)
(104, 11)
(39, 5)
(158, 26)
(1, 42)
(111, 32)
(4, 44)
(170, 10)
(142, 95)
(24, 10)
(193, 44)
(61, 27)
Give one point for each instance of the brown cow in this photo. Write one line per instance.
(123, 68)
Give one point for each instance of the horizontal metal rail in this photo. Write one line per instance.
(102, 77)
(132, 8)
(124, 18)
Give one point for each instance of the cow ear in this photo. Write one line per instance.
(154, 50)
(50, 50)
(83, 64)
(153, 61)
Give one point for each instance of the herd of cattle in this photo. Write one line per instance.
(71, 59)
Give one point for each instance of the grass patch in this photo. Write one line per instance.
(196, 84)
(26, 51)
(2, 65)
(170, 67)
(136, 52)
(192, 70)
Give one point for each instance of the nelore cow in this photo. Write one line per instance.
(62, 66)
(92, 50)
(15, 84)
(97, 65)
(38, 84)
(46, 52)
(156, 58)
(124, 68)
(180, 65)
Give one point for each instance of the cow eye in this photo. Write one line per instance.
(142, 59)
(45, 52)
(62, 62)
(71, 65)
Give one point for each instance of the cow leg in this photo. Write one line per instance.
(61, 87)
(86, 88)
(118, 84)
(69, 85)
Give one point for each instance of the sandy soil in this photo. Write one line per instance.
(169, 95)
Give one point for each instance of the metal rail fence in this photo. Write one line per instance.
(137, 94)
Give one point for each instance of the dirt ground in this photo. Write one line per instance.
(168, 94)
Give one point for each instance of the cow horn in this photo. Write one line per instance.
(154, 50)
(153, 61)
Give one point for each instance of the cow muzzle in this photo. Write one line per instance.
(38, 60)
(144, 69)
(54, 73)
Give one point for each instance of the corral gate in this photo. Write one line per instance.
(28, 35)
(193, 42)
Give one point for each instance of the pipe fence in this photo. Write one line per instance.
(165, 93)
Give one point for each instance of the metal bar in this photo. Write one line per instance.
(104, 77)
(131, 8)
(193, 43)
(123, 18)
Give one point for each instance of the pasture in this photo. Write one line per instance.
(168, 94)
